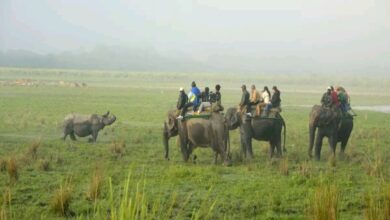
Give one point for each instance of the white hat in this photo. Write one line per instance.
(181, 89)
(329, 88)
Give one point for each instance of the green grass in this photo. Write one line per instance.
(30, 131)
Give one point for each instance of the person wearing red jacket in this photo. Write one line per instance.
(335, 98)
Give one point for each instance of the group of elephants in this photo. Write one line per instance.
(214, 131)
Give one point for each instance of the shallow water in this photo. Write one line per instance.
(376, 108)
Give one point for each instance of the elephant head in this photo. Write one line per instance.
(233, 118)
(170, 130)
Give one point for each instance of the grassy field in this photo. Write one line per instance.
(124, 175)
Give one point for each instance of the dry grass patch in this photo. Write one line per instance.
(377, 207)
(305, 168)
(375, 167)
(96, 184)
(283, 166)
(324, 204)
(118, 148)
(3, 165)
(332, 162)
(32, 150)
(12, 169)
(44, 164)
(61, 199)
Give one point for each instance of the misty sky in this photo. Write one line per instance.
(347, 35)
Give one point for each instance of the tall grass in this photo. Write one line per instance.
(32, 150)
(6, 201)
(283, 166)
(62, 198)
(3, 165)
(134, 201)
(12, 169)
(377, 207)
(324, 204)
(95, 186)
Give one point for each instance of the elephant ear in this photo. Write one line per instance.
(171, 121)
(105, 115)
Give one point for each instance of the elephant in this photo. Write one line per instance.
(198, 132)
(331, 123)
(84, 125)
(262, 129)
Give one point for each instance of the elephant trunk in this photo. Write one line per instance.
(312, 131)
(165, 141)
(284, 134)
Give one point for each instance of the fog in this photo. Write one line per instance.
(275, 37)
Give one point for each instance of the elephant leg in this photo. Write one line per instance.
(243, 146)
(249, 147)
(271, 149)
(312, 132)
(318, 145)
(72, 136)
(183, 148)
(332, 144)
(343, 145)
(215, 157)
(278, 146)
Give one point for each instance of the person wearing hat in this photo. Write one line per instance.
(193, 100)
(275, 100)
(326, 99)
(182, 100)
(245, 101)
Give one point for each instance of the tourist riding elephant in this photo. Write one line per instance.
(211, 132)
(84, 125)
(331, 124)
(262, 129)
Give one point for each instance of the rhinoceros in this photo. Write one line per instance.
(84, 125)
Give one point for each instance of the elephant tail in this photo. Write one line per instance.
(284, 134)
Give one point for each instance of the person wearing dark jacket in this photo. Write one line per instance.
(205, 95)
(245, 100)
(182, 100)
(326, 99)
(218, 94)
(275, 100)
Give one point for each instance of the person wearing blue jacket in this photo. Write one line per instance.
(193, 100)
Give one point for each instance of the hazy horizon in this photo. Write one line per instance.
(223, 36)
